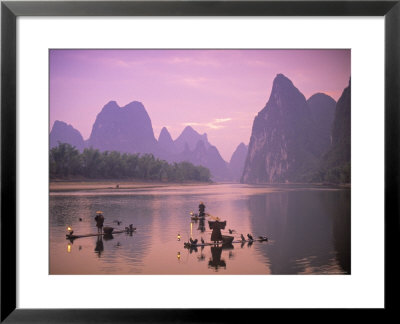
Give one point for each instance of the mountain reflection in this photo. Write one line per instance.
(311, 230)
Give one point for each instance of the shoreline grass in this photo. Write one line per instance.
(95, 184)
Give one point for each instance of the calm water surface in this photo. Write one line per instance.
(308, 229)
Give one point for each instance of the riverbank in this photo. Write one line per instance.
(67, 185)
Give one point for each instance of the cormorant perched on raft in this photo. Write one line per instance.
(250, 237)
(194, 242)
(202, 241)
(242, 237)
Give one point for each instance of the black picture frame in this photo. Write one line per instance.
(10, 10)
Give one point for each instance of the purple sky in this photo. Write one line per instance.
(218, 92)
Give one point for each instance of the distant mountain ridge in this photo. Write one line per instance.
(322, 109)
(125, 129)
(281, 137)
(335, 165)
(190, 137)
(129, 129)
(195, 148)
(165, 140)
(64, 133)
(236, 163)
(292, 139)
(290, 135)
(208, 156)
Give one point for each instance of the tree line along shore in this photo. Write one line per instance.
(66, 162)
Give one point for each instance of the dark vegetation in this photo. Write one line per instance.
(66, 161)
(337, 175)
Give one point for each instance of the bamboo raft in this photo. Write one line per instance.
(73, 237)
(189, 245)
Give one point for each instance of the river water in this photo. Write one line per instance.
(308, 230)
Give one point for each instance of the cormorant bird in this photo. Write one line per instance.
(202, 241)
(194, 242)
(263, 238)
(250, 237)
(242, 237)
(231, 231)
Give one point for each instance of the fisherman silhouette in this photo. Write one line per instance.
(202, 208)
(99, 221)
(216, 226)
(201, 227)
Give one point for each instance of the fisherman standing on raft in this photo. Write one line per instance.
(216, 226)
(202, 208)
(99, 221)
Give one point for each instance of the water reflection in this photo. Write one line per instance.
(309, 231)
(202, 256)
(311, 226)
(215, 261)
(99, 246)
(108, 237)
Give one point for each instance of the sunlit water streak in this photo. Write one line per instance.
(308, 229)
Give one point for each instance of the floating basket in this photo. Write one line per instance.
(226, 239)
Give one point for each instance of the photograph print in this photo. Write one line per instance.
(199, 161)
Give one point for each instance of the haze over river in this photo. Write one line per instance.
(308, 228)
